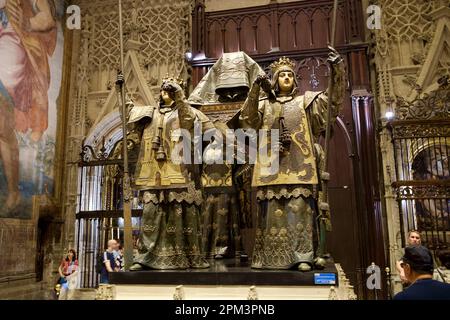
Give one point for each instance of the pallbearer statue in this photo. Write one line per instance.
(171, 235)
(287, 197)
(225, 85)
(221, 208)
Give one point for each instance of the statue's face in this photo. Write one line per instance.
(165, 96)
(286, 81)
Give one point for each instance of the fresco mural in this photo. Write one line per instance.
(31, 51)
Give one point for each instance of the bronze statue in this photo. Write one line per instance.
(226, 83)
(171, 233)
(221, 208)
(287, 197)
(228, 80)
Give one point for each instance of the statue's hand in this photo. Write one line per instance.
(333, 56)
(263, 81)
(120, 78)
(170, 86)
(260, 78)
(129, 103)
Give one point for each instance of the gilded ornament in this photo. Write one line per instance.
(278, 213)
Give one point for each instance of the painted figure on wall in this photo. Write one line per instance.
(287, 197)
(28, 37)
(171, 230)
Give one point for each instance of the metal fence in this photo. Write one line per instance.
(99, 216)
(421, 139)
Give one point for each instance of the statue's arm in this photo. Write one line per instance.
(138, 118)
(186, 114)
(205, 121)
(250, 116)
(138, 113)
(317, 104)
(338, 76)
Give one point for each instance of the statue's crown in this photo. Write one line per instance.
(173, 79)
(282, 63)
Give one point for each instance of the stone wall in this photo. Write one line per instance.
(18, 248)
(156, 38)
(411, 52)
(30, 252)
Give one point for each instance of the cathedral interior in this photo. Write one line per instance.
(365, 131)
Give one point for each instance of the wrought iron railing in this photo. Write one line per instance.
(99, 215)
(421, 138)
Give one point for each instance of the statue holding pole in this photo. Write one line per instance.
(289, 197)
(171, 225)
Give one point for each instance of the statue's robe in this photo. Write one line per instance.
(286, 197)
(226, 82)
(221, 212)
(171, 233)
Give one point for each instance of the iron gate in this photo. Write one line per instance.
(421, 138)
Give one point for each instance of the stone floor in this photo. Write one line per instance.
(31, 291)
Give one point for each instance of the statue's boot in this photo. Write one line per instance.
(136, 267)
(319, 263)
(304, 267)
(243, 257)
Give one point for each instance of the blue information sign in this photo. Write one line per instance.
(324, 278)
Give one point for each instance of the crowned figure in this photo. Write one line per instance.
(169, 181)
(287, 192)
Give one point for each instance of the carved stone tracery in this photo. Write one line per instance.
(156, 38)
(411, 59)
(407, 20)
(162, 29)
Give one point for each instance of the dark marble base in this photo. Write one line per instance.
(221, 272)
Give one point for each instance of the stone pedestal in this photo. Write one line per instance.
(230, 280)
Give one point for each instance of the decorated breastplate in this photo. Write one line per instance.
(155, 168)
(296, 165)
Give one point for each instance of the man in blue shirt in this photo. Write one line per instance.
(109, 261)
(417, 264)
